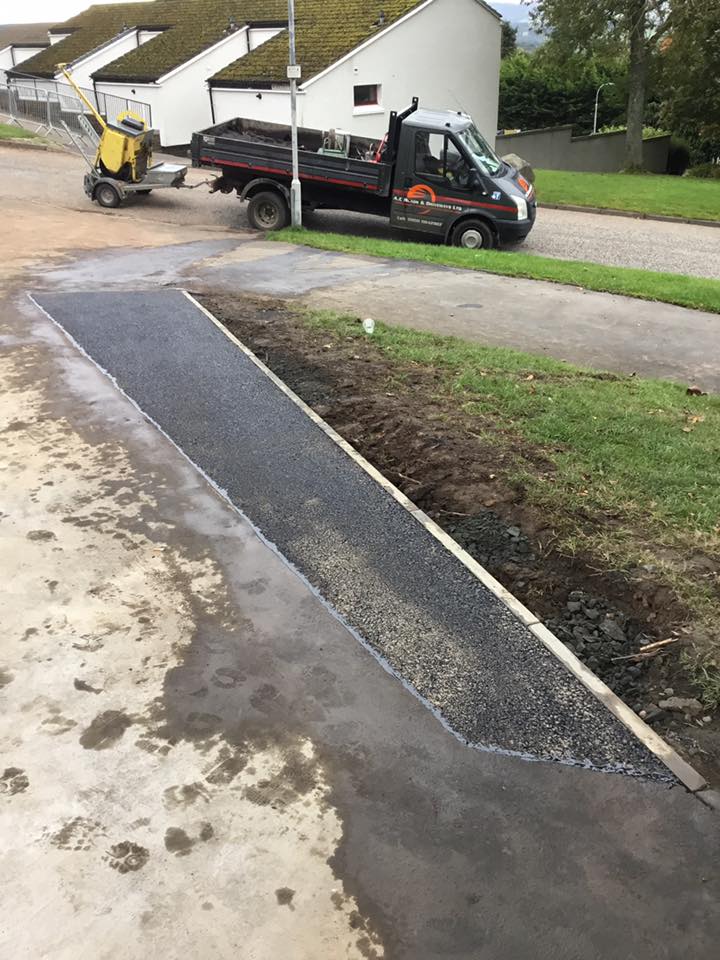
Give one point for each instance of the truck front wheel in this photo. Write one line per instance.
(268, 211)
(473, 235)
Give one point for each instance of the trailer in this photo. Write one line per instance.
(122, 164)
(432, 173)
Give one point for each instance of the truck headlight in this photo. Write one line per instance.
(521, 204)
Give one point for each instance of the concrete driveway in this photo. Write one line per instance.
(200, 760)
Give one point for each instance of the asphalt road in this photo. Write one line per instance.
(56, 178)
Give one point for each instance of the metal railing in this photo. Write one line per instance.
(106, 104)
(51, 108)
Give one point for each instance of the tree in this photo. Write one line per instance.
(545, 89)
(585, 26)
(508, 43)
(690, 75)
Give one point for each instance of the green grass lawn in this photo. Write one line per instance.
(694, 292)
(639, 193)
(633, 475)
(11, 132)
(620, 442)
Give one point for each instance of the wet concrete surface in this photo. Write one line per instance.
(590, 329)
(259, 717)
(417, 605)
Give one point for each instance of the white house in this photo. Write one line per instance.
(19, 42)
(93, 38)
(361, 60)
(179, 96)
(197, 62)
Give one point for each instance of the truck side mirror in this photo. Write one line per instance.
(476, 182)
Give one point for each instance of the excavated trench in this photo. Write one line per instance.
(396, 416)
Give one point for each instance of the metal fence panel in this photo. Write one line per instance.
(46, 105)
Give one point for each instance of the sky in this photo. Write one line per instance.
(55, 11)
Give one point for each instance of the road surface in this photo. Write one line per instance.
(56, 179)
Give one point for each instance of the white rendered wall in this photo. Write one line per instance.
(260, 35)
(272, 106)
(145, 35)
(11, 56)
(6, 62)
(180, 101)
(447, 54)
(83, 70)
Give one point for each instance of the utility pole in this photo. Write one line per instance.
(597, 98)
(294, 72)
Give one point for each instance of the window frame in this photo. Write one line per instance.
(442, 177)
(368, 106)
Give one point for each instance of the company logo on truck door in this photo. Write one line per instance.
(421, 195)
(421, 191)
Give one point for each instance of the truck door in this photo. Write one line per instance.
(434, 186)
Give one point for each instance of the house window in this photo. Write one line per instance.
(367, 95)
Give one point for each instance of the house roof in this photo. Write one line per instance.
(88, 30)
(326, 31)
(197, 25)
(24, 34)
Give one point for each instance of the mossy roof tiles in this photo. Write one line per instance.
(197, 25)
(23, 34)
(88, 30)
(325, 31)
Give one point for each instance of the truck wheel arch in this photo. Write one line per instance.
(261, 185)
(463, 218)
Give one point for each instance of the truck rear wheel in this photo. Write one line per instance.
(106, 195)
(473, 235)
(268, 211)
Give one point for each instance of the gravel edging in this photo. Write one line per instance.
(632, 214)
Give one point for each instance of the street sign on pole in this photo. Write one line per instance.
(294, 74)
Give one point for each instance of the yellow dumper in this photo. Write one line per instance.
(123, 159)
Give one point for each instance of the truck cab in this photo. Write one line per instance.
(449, 182)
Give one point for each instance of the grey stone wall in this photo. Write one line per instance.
(555, 148)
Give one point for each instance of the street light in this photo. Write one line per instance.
(294, 72)
(597, 97)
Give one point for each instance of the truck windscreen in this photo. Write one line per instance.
(481, 150)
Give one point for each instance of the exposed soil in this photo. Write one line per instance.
(402, 420)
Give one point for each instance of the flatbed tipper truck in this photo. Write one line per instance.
(432, 173)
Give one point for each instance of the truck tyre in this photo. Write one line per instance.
(106, 195)
(268, 211)
(473, 235)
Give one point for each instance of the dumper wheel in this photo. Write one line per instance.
(268, 211)
(106, 195)
(473, 235)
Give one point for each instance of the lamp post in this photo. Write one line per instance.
(294, 73)
(597, 98)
